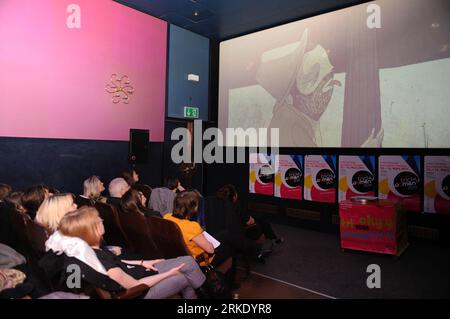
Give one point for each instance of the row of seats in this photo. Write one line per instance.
(150, 237)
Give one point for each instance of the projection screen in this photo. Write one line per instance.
(372, 75)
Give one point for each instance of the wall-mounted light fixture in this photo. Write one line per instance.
(193, 77)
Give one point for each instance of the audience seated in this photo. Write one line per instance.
(236, 231)
(53, 209)
(134, 201)
(32, 198)
(132, 178)
(254, 227)
(92, 192)
(164, 277)
(186, 204)
(161, 199)
(117, 187)
(224, 224)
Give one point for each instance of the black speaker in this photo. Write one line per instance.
(138, 146)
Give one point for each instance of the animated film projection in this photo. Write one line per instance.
(372, 75)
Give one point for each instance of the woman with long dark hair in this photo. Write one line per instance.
(134, 201)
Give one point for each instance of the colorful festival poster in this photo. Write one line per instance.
(437, 184)
(320, 178)
(356, 176)
(261, 174)
(399, 179)
(289, 176)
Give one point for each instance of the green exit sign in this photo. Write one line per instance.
(191, 112)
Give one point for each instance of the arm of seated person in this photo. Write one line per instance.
(149, 264)
(122, 278)
(153, 280)
(126, 281)
(116, 250)
(203, 243)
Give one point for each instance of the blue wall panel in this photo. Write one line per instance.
(65, 164)
(188, 53)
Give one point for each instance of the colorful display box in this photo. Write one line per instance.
(373, 225)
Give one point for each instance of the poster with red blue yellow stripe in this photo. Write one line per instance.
(289, 176)
(437, 184)
(399, 179)
(356, 176)
(261, 174)
(320, 178)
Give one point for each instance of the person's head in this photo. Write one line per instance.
(50, 190)
(131, 176)
(228, 192)
(314, 84)
(84, 223)
(133, 200)
(117, 187)
(172, 183)
(53, 209)
(93, 187)
(185, 204)
(33, 197)
(4, 191)
(15, 198)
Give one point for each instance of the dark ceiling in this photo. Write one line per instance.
(223, 19)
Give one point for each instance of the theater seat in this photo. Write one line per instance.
(37, 236)
(93, 283)
(167, 237)
(114, 232)
(135, 226)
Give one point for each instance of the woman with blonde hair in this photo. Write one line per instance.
(53, 209)
(164, 277)
(93, 188)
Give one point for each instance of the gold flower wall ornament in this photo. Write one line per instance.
(120, 88)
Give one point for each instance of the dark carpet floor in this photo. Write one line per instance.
(315, 261)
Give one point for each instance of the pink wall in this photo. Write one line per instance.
(53, 78)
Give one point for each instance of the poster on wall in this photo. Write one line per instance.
(437, 184)
(289, 176)
(399, 179)
(261, 174)
(320, 178)
(356, 176)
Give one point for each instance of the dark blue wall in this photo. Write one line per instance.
(64, 164)
(188, 53)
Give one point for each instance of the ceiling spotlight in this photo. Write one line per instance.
(195, 13)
